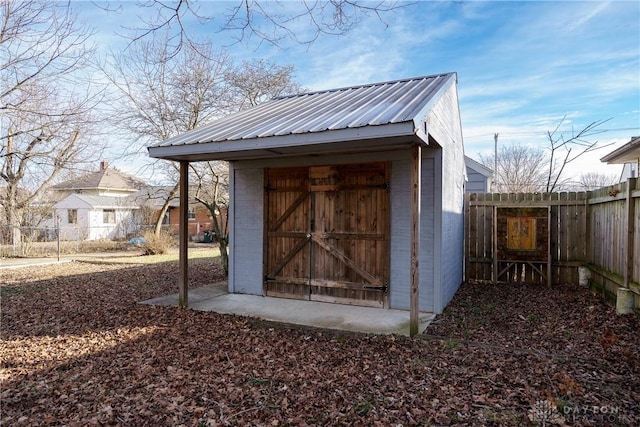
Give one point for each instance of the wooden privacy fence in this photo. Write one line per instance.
(553, 238)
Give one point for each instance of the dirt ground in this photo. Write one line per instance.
(77, 349)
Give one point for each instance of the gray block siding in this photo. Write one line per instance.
(246, 220)
(246, 231)
(444, 125)
(400, 245)
(452, 251)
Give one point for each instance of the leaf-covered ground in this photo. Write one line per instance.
(78, 350)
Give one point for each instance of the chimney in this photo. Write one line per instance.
(104, 165)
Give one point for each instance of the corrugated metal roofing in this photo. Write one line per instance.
(354, 107)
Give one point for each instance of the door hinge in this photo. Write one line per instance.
(384, 186)
(384, 288)
(268, 188)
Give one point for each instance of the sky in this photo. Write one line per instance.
(521, 66)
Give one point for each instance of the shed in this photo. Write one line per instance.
(350, 195)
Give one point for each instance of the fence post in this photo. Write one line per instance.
(629, 243)
(58, 234)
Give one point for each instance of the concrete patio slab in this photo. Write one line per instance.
(307, 313)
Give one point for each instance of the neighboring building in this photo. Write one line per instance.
(109, 204)
(85, 217)
(105, 181)
(321, 193)
(478, 176)
(151, 199)
(97, 205)
(627, 155)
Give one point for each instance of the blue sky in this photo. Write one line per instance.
(521, 66)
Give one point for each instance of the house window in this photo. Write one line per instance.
(192, 213)
(72, 216)
(167, 218)
(108, 216)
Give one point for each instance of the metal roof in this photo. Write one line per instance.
(365, 112)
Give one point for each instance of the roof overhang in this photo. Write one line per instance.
(352, 140)
(478, 167)
(628, 153)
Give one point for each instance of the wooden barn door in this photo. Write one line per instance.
(329, 241)
(287, 239)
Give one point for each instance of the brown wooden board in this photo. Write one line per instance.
(328, 233)
(585, 228)
(287, 224)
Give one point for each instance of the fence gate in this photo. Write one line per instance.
(525, 237)
(522, 245)
(327, 233)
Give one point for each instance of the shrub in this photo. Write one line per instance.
(157, 245)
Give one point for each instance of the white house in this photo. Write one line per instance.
(97, 205)
(84, 217)
(350, 195)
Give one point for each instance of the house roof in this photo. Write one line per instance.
(478, 167)
(628, 153)
(103, 179)
(357, 117)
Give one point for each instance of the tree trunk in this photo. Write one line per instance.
(164, 209)
(222, 237)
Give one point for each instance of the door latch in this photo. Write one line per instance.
(384, 288)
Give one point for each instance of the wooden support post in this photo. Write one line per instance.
(629, 244)
(549, 278)
(494, 243)
(183, 281)
(414, 306)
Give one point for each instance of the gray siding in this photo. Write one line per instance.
(401, 233)
(440, 261)
(444, 126)
(246, 231)
(477, 183)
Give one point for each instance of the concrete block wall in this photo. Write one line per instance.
(246, 231)
(400, 245)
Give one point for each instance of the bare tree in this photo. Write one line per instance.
(163, 95)
(269, 21)
(593, 180)
(563, 151)
(252, 83)
(212, 191)
(521, 169)
(259, 80)
(46, 101)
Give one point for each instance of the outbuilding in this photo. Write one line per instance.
(351, 195)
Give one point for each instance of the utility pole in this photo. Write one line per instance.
(495, 162)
